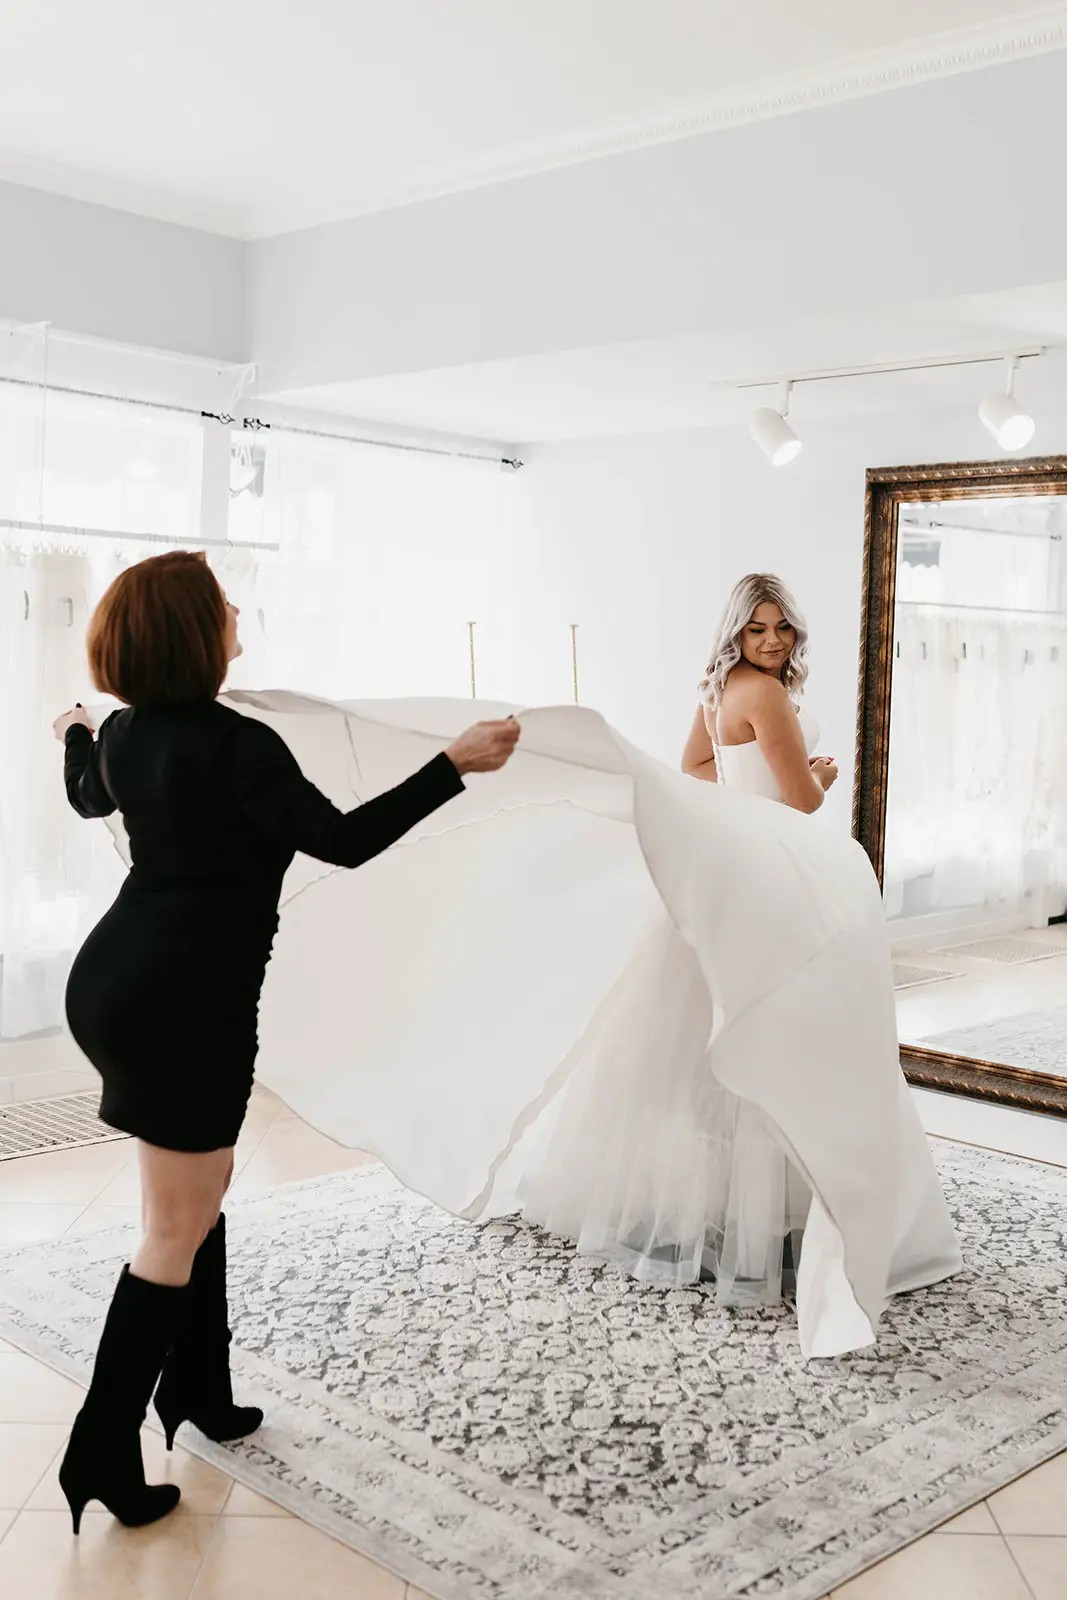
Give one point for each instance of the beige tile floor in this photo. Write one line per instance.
(226, 1543)
(985, 991)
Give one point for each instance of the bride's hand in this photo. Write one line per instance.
(824, 771)
(485, 747)
(78, 718)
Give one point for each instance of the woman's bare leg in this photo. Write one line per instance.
(181, 1197)
(227, 1179)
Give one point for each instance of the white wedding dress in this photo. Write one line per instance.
(653, 1014)
(684, 1178)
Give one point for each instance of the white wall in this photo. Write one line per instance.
(639, 540)
(98, 271)
(790, 217)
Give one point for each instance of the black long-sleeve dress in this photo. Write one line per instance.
(163, 996)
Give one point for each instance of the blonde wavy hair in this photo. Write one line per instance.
(752, 592)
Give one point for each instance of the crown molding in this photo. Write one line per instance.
(1039, 31)
(122, 194)
(945, 55)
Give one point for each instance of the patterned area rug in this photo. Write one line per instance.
(1035, 1040)
(496, 1420)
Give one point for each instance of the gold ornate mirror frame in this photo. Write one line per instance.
(887, 490)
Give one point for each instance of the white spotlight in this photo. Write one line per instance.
(1002, 416)
(773, 434)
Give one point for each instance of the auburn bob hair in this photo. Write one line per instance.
(158, 636)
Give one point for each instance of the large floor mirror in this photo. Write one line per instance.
(961, 778)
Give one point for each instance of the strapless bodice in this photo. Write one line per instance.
(744, 766)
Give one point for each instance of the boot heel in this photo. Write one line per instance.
(77, 1506)
(123, 1492)
(75, 1495)
(224, 1425)
(170, 1420)
(103, 1456)
(195, 1385)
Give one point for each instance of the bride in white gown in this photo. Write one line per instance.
(653, 1162)
(686, 1179)
(654, 1015)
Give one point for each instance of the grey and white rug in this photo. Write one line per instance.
(1035, 1040)
(494, 1419)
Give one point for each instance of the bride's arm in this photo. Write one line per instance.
(777, 728)
(698, 757)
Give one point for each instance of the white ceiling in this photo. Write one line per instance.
(253, 117)
(658, 386)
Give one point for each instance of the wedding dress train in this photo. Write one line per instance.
(653, 1014)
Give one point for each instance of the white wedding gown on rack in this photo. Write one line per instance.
(653, 1014)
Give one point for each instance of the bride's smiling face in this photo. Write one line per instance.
(767, 639)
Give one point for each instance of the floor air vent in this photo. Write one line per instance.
(32, 1127)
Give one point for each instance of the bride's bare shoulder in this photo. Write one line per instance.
(750, 688)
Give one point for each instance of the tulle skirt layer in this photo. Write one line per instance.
(648, 1162)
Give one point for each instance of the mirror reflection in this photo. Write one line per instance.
(976, 821)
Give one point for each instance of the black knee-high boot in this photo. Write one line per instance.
(103, 1459)
(195, 1384)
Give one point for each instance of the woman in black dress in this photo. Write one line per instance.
(163, 995)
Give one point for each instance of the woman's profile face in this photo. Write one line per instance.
(234, 646)
(767, 639)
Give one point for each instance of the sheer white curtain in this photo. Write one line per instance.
(91, 464)
(385, 557)
(382, 557)
(978, 762)
(53, 878)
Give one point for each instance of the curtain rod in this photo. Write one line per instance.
(112, 399)
(143, 538)
(255, 425)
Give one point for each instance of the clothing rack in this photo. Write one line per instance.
(966, 527)
(63, 531)
(978, 612)
(1009, 611)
